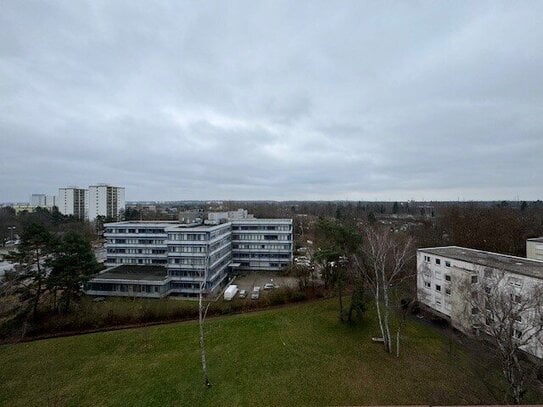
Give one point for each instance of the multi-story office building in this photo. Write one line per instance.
(105, 200)
(262, 244)
(449, 277)
(73, 201)
(534, 248)
(42, 200)
(174, 258)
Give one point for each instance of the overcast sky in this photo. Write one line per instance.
(273, 100)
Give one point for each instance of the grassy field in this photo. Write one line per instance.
(298, 355)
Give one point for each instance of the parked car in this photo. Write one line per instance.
(255, 295)
(268, 286)
(242, 293)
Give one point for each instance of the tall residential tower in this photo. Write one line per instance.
(105, 200)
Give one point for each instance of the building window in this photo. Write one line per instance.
(427, 284)
(438, 261)
(473, 279)
(487, 290)
(448, 291)
(438, 287)
(447, 264)
(427, 259)
(447, 277)
(517, 282)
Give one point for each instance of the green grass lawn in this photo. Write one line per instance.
(299, 355)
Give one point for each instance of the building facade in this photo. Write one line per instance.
(105, 200)
(262, 244)
(448, 276)
(189, 255)
(534, 248)
(72, 201)
(43, 201)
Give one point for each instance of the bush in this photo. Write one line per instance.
(113, 312)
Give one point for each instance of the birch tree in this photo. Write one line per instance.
(202, 313)
(383, 265)
(510, 318)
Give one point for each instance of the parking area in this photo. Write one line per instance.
(259, 279)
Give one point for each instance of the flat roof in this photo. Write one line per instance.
(133, 272)
(514, 264)
(143, 222)
(536, 239)
(250, 220)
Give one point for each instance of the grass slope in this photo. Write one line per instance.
(299, 355)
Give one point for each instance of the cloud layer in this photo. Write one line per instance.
(273, 100)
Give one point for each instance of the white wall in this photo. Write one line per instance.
(455, 305)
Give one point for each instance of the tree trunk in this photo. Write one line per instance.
(398, 343)
(67, 303)
(340, 292)
(202, 338)
(378, 308)
(38, 289)
(388, 339)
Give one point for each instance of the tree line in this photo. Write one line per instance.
(50, 269)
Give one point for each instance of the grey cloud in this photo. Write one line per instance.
(273, 100)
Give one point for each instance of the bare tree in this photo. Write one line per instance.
(382, 263)
(202, 313)
(511, 319)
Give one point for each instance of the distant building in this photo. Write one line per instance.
(43, 201)
(447, 276)
(191, 216)
(105, 200)
(72, 201)
(38, 200)
(184, 254)
(534, 248)
(218, 217)
(22, 207)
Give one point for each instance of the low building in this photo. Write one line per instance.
(448, 276)
(129, 281)
(534, 248)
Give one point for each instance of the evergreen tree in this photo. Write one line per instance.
(73, 265)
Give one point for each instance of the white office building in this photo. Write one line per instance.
(159, 258)
(72, 201)
(262, 244)
(448, 276)
(105, 200)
